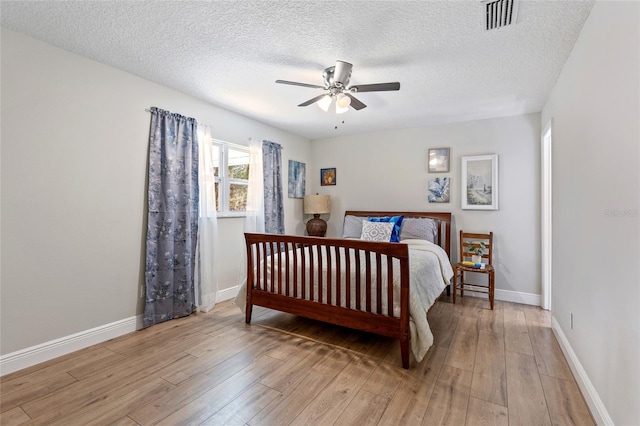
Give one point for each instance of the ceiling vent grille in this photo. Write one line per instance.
(501, 13)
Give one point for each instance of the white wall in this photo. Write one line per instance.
(596, 203)
(388, 171)
(74, 151)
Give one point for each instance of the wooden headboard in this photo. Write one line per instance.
(443, 219)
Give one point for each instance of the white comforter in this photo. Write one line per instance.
(430, 272)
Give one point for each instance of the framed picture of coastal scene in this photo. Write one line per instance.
(479, 189)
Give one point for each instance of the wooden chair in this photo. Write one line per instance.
(469, 241)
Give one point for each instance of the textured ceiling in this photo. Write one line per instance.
(230, 54)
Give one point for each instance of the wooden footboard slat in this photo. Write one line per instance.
(320, 267)
(378, 283)
(265, 268)
(287, 269)
(295, 270)
(338, 277)
(390, 286)
(367, 262)
(329, 275)
(311, 274)
(278, 254)
(347, 266)
(303, 289)
(264, 281)
(357, 283)
(256, 249)
(273, 259)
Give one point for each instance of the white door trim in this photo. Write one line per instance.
(546, 214)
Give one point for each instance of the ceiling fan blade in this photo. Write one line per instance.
(342, 72)
(312, 101)
(294, 83)
(379, 87)
(356, 104)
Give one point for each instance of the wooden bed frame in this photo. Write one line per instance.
(278, 289)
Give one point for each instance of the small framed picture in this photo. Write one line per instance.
(479, 182)
(438, 160)
(438, 190)
(328, 176)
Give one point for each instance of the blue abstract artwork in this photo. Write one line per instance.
(297, 179)
(438, 190)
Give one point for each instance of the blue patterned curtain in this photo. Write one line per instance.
(173, 217)
(273, 204)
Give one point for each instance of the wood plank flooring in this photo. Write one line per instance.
(500, 367)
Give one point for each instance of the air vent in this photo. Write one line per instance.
(501, 13)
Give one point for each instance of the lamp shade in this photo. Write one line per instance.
(317, 204)
(342, 103)
(325, 102)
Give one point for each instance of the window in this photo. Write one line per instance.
(231, 173)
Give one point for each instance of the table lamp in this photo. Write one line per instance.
(317, 205)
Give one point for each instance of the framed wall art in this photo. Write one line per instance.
(328, 176)
(438, 190)
(479, 188)
(438, 160)
(297, 179)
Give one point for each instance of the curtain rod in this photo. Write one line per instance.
(249, 138)
(204, 124)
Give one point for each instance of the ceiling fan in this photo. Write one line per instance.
(336, 85)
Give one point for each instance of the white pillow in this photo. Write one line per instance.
(376, 231)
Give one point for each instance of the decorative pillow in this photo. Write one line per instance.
(352, 227)
(397, 223)
(419, 229)
(376, 231)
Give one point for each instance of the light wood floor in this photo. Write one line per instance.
(486, 368)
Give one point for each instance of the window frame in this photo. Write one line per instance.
(224, 181)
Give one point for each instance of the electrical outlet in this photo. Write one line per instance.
(571, 320)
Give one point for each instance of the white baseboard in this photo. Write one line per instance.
(511, 296)
(227, 293)
(517, 297)
(598, 410)
(49, 350)
(45, 351)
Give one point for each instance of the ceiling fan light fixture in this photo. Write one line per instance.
(336, 85)
(342, 103)
(325, 103)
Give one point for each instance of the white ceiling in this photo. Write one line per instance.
(230, 54)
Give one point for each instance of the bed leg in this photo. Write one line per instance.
(404, 351)
(248, 310)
